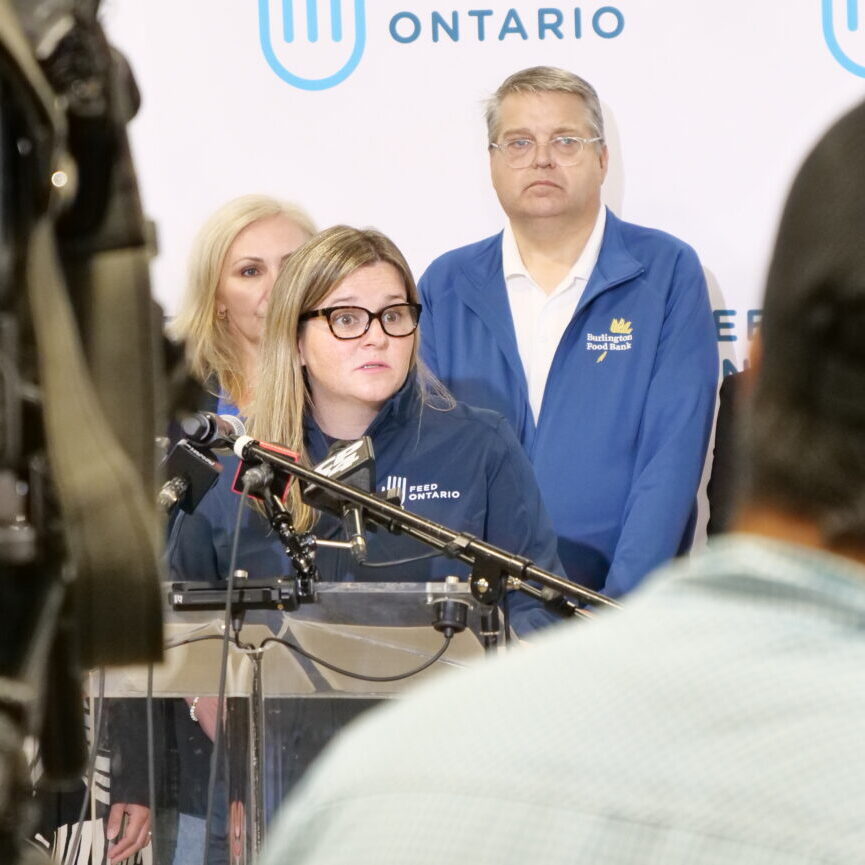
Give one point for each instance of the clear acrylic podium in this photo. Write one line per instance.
(281, 708)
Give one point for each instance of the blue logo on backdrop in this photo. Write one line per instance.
(836, 31)
(315, 29)
(482, 24)
(335, 35)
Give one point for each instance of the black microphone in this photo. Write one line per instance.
(208, 429)
(352, 463)
(255, 474)
(191, 473)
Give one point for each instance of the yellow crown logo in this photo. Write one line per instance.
(619, 325)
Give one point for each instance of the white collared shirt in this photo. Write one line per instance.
(539, 318)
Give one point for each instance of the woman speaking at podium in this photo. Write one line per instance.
(339, 360)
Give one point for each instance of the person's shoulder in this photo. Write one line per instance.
(465, 256)
(481, 426)
(643, 238)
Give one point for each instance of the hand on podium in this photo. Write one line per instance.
(128, 830)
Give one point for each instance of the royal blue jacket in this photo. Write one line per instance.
(462, 467)
(619, 446)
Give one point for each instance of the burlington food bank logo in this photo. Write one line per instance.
(844, 33)
(317, 44)
(619, 338)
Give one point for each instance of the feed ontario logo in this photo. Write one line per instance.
(407, 492)
(317, 44)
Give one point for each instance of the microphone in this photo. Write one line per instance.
(352, 463)
(208, 429)
(256, 478)
(191, 473)
(257, 474)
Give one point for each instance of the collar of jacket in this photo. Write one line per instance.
(615, 265)
(404, 405)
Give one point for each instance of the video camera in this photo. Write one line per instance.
(81, 388)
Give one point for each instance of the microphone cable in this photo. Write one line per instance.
(223, 671)
(400, 562)
(365, 678)
(151, 762)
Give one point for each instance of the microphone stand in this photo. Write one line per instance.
(492, 567)
(300, 548)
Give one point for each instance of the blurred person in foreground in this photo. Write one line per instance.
(717, 717)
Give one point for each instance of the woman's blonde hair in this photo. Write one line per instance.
(211, 353)
(282, 396)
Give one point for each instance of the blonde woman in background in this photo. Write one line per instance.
(232, 268)
(233, 265)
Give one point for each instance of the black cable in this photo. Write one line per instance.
(506, 618)
(96, 727)
(396, 562)
(244, 647)
(151, 763)
(428, 663)
(450, 551)
(223, 669)
(249, 647)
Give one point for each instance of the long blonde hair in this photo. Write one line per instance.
(211, 352)
(282, 397)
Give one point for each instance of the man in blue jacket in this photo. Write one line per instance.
(594, 337)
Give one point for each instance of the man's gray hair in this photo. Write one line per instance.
(545, 79)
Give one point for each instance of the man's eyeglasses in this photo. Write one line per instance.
(566, 150)
(352, 322)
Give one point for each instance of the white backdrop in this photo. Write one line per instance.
(709, 109)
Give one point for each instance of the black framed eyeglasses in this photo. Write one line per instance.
(352, 322)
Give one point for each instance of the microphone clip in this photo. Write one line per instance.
(300, 548)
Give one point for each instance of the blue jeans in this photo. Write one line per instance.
(190, 838)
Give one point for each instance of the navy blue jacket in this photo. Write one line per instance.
(619, 446)
(462, 467)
